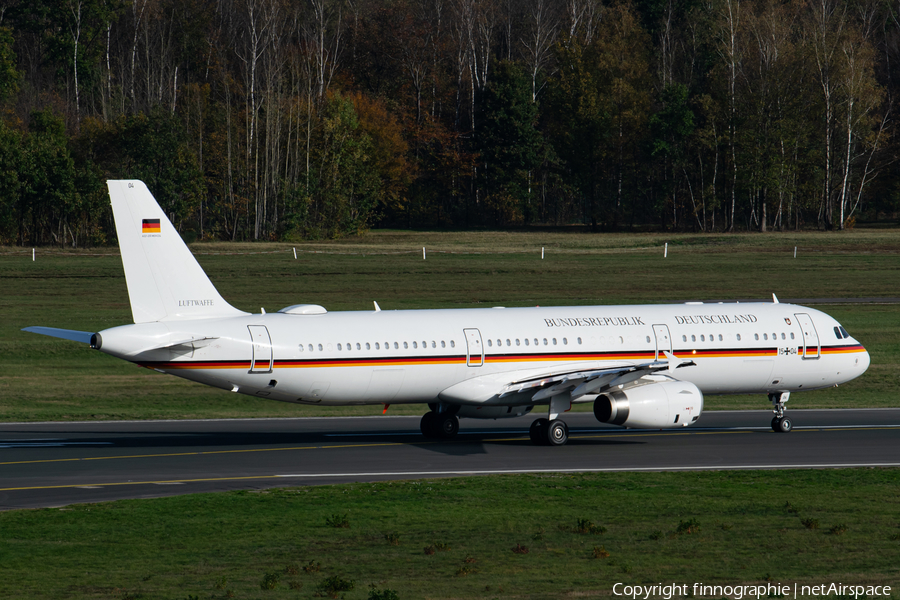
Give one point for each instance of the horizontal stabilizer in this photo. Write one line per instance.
(67, 334)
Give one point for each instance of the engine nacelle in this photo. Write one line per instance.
(658, 405)
(492, 412)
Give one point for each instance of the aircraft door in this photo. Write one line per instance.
(663, 339)
(474, 348)
(810, 337)
(261, 361)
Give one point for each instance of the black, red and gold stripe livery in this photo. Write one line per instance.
(848, 349)
(150, 226)
(493, 359)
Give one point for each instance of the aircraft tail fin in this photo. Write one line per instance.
(165, 281)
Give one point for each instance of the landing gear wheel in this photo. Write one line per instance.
(427, 425)
(782, 425)
(439, 425)
(557, 433)
(446, 426)
(538, 432)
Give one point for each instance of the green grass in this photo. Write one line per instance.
(47, 379)
(725, 528)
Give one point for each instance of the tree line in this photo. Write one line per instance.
(279, 119)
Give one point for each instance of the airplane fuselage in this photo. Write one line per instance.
(414, 356)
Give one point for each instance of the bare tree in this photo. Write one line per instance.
(543, 25)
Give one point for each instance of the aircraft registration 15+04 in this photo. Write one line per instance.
(642, 366)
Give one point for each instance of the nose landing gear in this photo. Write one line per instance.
(780, 423)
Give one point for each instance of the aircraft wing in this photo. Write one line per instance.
(500, 390)
(67, 334)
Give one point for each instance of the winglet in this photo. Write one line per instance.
(377, 308)
(774, 299)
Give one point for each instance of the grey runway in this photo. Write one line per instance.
(54, 464)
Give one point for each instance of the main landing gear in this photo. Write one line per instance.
(440, 424)
(545, 432)
(551, 431)
(780, 423)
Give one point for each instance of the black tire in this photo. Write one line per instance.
(775, 426)
(785, 425)
(446, 426)
(557, 433)
(537, 432)
(427, 426)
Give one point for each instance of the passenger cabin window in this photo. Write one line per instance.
(339, 347)
(683, 338)
(545, 341)
(301, 347)
(756, 336)
(693, 338)
(720, 337)
(792, 335)
(320, 347)
(443, 344)
(310, 347)
(702, 338)
(489, 343)
(517, 342)
(579, 341)
(554, 341)
(452, 344)
(739, 336)
(565, 342)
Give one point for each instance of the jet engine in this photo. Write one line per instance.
(657, 405)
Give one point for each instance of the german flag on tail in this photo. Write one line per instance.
(150, 226)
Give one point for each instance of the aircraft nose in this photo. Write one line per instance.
(863, 361)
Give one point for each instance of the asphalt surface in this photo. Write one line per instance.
(54, 464)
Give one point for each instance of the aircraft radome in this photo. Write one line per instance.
(642, 366)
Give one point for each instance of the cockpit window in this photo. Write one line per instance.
(837, 332)
(844, 331)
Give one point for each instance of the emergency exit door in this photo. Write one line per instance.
(261, 361)
(663, 340)
(474, 348)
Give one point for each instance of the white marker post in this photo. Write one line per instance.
(666, 251)
(32, 255)
(423, 252)
(542, 253)
(795, 251)
(295, 254)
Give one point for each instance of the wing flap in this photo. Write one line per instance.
(497, 389)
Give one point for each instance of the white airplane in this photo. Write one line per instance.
(642, 366)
